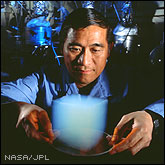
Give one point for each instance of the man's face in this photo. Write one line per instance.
(85, 52)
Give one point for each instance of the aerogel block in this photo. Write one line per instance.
(80, 120)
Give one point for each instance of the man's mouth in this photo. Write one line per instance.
(83, 71)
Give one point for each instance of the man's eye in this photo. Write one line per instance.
(96, 51)
(75, 50)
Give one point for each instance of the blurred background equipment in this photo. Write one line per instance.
(87, 4)
(156, 56)
(30, 32)
(126, 30)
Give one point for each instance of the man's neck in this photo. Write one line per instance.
(85, 89)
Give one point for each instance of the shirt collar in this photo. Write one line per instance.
(100, 88)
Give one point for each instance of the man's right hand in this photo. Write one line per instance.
(35, 122)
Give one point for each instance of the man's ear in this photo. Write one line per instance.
(110, 48)
(111, 45)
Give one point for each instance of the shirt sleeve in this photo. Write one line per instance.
(157, 107)
(23, 89)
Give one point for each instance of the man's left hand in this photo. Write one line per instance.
(140, 134)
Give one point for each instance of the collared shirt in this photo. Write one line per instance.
(52, 82)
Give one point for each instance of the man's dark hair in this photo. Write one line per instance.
(81, 18)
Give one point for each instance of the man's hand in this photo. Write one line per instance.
(140, 125)
(35, 122)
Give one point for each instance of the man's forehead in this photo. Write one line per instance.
(91, 30)
(96, 37)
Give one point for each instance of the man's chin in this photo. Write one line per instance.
(83, 82)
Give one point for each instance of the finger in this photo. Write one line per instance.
(127, 142)
(43, 137)
(122, 128)
(125, 120)
(30, 129)
(118, 134)
(109, 140)
(46, 125)
(33, 118)
(32, 133)
(109, 137)
(138, 146)
(115, 135)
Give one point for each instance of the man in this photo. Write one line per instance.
(86, 44)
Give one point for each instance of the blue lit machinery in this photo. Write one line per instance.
(40, 8)
(43, 20)
(38, 28)
(41, 34)
(126, 31)
(87, 4)
(156, 56)
(38, 31)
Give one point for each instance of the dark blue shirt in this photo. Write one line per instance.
(52, 82)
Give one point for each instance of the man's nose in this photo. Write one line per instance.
(84, 58)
